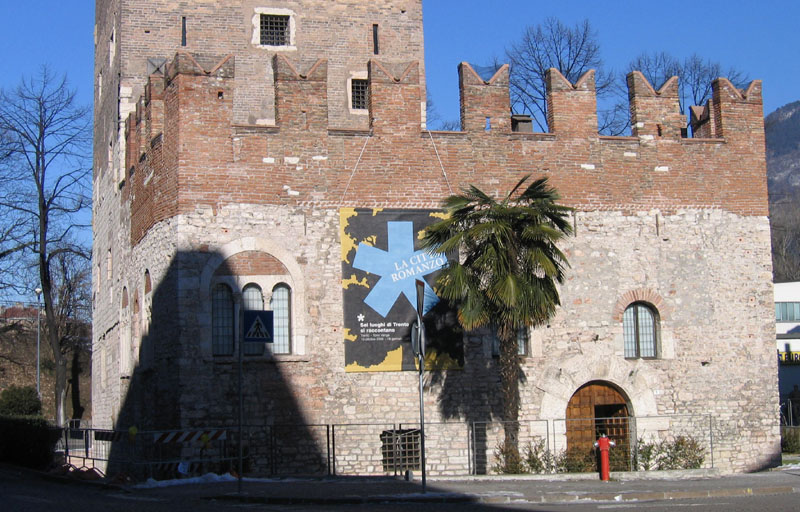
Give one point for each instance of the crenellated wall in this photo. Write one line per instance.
(187, 117)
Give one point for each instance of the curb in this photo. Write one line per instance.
(655, 495)
(511, 498)
(348, 500)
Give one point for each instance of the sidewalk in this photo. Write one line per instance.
(486, 489)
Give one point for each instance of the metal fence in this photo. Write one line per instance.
(790, 412)
(452, 448)
(154, 454)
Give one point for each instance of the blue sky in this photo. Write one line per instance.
(760, 39)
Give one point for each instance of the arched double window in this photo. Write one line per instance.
(223, 337)
(640, 331)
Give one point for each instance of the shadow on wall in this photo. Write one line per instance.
(177, 384)
(471, 394)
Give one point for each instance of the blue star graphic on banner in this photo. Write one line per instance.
(399, 268)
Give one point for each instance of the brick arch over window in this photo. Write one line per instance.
(251, 263)
(645, 295)
(249, 260)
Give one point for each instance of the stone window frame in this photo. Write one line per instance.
(110, 274)
(641, 342)
(144, 351)
(237, 285)
(125, 341)
(300, 346)
(357, 75)
(255, 39)
(363, 95)
(665, 343)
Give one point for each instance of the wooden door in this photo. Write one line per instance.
(594, 409)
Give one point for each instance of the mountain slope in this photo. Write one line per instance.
(782, 130)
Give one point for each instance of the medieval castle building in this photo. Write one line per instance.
(255, 155)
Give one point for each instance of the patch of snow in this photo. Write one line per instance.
(206, 479)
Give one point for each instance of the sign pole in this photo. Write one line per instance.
(421, 354)
(240, 337)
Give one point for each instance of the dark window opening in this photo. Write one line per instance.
(522, 341)
(400, 449)
(360, 94)
(274, 30)
(375, 47)
(183, 30)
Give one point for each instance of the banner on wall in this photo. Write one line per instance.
(381, 261)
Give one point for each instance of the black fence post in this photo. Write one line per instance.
(333, 449)
(328, 447)
(66, 445)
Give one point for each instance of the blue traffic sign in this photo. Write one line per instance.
(257, 327)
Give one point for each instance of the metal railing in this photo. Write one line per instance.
(155, 454)
(452, 448)
(790, 412)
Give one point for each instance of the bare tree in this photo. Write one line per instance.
(573, 51)
(72, 280)
(785, 224)
(46, 176)
(695, 75)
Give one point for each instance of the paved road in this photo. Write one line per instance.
(26, 491)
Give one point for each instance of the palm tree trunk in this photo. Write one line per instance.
(509, 381)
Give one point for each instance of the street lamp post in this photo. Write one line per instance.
(38, 338)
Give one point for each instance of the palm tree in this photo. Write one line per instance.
(505, 274)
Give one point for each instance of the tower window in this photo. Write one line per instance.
(274, 30)
(360, 94)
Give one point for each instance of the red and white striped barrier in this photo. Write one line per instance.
(187, 436)
(109, 435)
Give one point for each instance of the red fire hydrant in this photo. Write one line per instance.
(604, 444)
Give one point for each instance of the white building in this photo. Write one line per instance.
(787, 328)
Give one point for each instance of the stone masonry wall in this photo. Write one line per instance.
(716, 355)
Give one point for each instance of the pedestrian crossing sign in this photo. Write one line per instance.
(257, 326)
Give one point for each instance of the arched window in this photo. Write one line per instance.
(252, 297)
(280, 303)
(253, 300)
(640, 331)
(222, 321)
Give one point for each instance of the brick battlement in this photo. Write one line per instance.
(184, 150)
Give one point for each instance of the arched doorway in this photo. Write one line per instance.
(597, 408)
